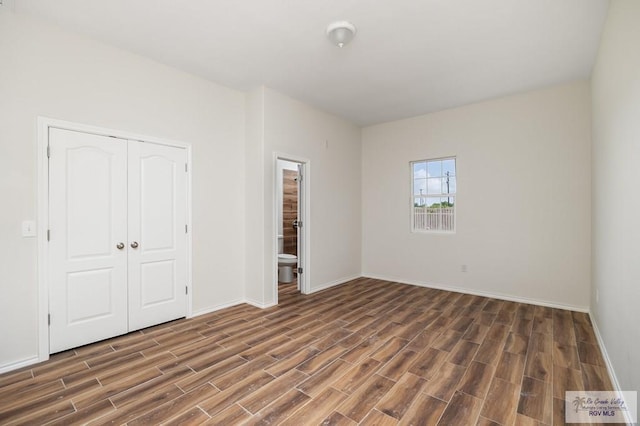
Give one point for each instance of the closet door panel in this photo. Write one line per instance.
(87, 220)
(157, 237)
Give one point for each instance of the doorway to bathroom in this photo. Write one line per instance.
(291, 227)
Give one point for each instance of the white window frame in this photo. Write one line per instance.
(441, 195)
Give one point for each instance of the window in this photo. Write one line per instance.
(433, 195)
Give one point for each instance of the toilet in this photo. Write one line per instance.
(286, 263)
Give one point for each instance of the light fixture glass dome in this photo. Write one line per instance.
(340, 33)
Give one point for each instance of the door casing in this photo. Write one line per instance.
(44, 124)
(304, 284)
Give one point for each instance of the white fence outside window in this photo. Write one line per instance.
(434, 218)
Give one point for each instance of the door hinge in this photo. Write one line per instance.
(186, 167)
(186, 289)
(186, 228)
(49, 319)
(48, 151)
(48, 234)
(299, 270)
(299, 224)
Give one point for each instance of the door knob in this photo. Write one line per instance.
(134, 244)
(120, 246)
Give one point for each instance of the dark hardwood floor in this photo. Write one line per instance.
(368, 352)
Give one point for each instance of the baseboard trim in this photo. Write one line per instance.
(217, 308)
(610, 370)
(259, 305)
(481, 293)
(605, 354)
(334, 283)
(19, 364)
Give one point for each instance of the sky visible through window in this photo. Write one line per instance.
(434, 182)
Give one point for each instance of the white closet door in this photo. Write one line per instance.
(87, 220)
(157, 236)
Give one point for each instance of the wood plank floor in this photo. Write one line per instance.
(368, 352)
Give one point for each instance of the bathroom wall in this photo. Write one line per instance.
(280, 167)
(289, 211)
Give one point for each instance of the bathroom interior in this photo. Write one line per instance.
(287, 202)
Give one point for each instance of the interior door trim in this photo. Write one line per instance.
(43, 126)
(305, 285)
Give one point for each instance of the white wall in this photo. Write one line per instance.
(616, 196)
(523, 204)
(332, 146)
(254, 287)
(524, 195)
(48, 72)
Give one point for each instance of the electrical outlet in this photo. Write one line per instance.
(463, 268)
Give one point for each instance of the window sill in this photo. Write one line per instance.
(426, 231)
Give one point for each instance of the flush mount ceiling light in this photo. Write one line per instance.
(341, 32)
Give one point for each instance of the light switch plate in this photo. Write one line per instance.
(28, 228)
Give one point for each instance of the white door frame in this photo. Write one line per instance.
(44, 123)
(305, 286)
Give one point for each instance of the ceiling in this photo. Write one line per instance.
(409, 57)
